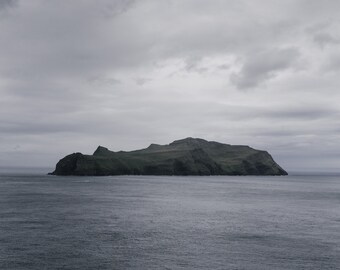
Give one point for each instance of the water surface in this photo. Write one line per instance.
(140, 222)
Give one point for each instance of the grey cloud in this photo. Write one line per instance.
(294, 114)
(7, 3)
(114, 8)
(75, 74)
(224, 67)
(323, 39)
(324, 33)
(333, 63)
(142, 81)
(304, 113)
(92, 45)
(261, 66)
(97, 80)
(37, 128)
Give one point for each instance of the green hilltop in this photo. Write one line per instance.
(188, 156)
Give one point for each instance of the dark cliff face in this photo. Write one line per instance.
(182, 157)
(68, 165)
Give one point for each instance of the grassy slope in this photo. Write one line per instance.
(183, 157)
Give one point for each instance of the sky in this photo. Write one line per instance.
(124, 74)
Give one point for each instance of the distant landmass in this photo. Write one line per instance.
(188, 156)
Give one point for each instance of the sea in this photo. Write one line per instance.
(167, 222)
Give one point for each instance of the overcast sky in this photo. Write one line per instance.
(124, 74)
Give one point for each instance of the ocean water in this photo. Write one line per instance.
(140, 222)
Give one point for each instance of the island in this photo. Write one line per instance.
(190, 156)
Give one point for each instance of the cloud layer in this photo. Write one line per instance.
(76, 74)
